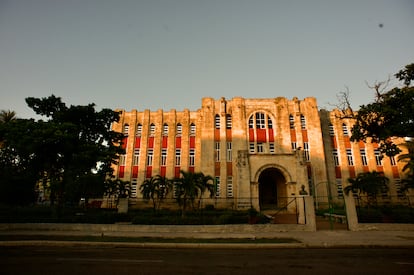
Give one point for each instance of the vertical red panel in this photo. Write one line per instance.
(271, 135)
(305, 135)
(124, 142)
(121, 171)
(365, 168)
(347, 142)
(293, 135)
(137, 142)
(361, 144)
(178, 142)
(135, 171)
(261, 135)
(177, 172)
(229, 169)
(334, 143)
(163, 171)
(395, 173)
(380, 169)
(352, 171)
(148, 172)
(151, 142)
(228, 135)
(216, 134)
(251, 135)
(191, 169)
(192, 142)
(217, 169)
(338, 173)
(164, 142)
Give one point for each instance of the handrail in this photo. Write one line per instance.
(283, 208)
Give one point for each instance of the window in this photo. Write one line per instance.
(251, 147)
(345, 129)
(364, 157)
(331, 130)
(152, 129)
(271, 147)
(229, 187)
(163, 157)
(177, 157)
(179, 130)
(138, 133)
(192, 157)
(229, 151)
(217, 186)
(335, 157)
(134, 188)
(339, 188)
(392, 161)
(269, 123)
(251, 123)
(136, 157)
(378, 157)
(217, 151)
(306, 152)
(260, 147)
(165, 130)
(150, 155)
(398, 187)
(217, 122)
(260, 121)
(291, 122)
(302, 122)
(192, 129)
(349, 157)
(294, 145)
(126, 129)
(122, 160)
(228, 122)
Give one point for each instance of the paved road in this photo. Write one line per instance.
(111, 260)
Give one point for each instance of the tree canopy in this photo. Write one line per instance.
(71, 152)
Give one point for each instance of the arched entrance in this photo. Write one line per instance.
(272, 188)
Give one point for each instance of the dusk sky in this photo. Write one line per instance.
(169, 54)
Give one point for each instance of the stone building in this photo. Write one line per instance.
(261, 152)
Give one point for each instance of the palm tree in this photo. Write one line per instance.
(408, 158)
(369, 183)
(7, 116)
(156, 189)
(204, 183)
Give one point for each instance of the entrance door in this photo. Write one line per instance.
(271, 188)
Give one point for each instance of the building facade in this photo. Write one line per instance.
(261, 152)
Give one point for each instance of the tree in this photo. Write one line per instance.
(191, 186)
(369, 183)
(7, 116)
(391, 115)
(70, 152)
(408, 159)
(156, 189)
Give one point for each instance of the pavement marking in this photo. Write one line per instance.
(107, 260)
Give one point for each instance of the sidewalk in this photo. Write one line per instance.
(307, 239)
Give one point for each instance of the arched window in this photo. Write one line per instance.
(258, 121)
(165, 129)
(138, 133)
(179, 130)
(302, 122)
(345, 129)
(192, 129)
(269, 122)
(217, 122)
(228, 122)
(331, 130)
(152, 129)
(126, 129)
(291, 122)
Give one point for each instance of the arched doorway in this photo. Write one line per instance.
(272, 188)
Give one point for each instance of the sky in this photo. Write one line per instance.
(169, 54)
